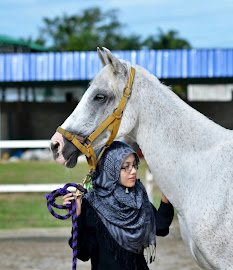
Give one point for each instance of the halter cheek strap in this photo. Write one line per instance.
(112, 123)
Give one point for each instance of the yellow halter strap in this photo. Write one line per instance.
(112, 122)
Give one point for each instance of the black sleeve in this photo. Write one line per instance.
(87, 244)
(164, 217)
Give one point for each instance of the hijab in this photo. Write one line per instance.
(129, 217)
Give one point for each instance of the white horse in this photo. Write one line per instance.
(189, 155)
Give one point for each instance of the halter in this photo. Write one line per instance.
(112, 123)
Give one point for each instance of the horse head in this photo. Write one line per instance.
(99, 101)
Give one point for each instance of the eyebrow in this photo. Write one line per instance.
(128, 162)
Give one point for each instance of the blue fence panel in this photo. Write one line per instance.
(26, 67)
(2, 67)
(68, 66)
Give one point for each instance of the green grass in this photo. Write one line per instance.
(40, 173)
(29, 210)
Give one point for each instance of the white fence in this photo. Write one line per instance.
(14, 144)
(31, 188)
(33, 144)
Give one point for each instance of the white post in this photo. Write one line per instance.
(149, 185)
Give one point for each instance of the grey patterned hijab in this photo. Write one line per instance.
(129, 218)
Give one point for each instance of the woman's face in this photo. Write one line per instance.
(129, 171)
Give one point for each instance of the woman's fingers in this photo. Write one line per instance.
(67, 198)
(70, 196)
(164, 199)
(78, 205)
(77, 193)
(67, 195)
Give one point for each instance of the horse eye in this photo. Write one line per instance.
(99, 97)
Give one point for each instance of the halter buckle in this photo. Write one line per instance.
(127, 96)
(124, 94)
(86, 146)
(115, 114)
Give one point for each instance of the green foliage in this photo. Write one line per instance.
(94, 28)
(169, 40)
(86, 31)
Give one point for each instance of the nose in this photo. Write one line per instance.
(56, 144)
(54, 148)
(133, 170)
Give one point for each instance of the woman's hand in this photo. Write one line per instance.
(69, 197)
(164, 199)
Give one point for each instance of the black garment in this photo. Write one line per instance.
(96, 243)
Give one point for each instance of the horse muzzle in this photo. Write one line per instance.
(64, 152)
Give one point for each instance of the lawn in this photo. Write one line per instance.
(29, 210)
(40, 173)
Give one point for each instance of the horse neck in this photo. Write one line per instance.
(173, 138)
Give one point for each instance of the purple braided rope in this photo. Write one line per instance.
(72, 211)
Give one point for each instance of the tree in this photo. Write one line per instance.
(169, 40)
(85, 32)
(93, 27)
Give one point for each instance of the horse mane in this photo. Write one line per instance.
(152, 78)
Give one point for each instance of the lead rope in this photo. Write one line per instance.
(51, 197)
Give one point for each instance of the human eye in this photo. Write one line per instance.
(135, 165)
(127, 167)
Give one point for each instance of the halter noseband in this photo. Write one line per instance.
(112, 122)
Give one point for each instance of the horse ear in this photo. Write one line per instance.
(102, 57)
(113, 61)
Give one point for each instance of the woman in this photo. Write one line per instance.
(116, 220)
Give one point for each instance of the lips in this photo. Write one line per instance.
(132, 179)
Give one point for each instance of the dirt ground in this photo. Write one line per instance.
(47, 249)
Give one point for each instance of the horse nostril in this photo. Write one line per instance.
(54, 147)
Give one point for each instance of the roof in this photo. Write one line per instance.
(10, 41)
(78, 66)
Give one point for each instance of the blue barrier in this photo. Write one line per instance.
(73, 66)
